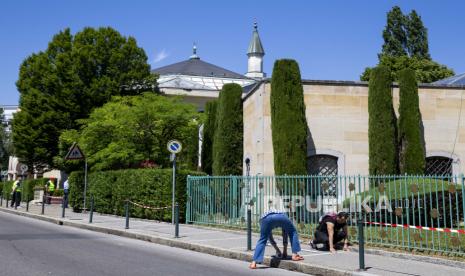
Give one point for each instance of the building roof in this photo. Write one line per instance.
(255, 46)
(454, 80)
(197, 67)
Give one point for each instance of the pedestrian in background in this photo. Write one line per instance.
(65, 193)
(16, 188)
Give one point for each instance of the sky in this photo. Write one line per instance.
(331, 40)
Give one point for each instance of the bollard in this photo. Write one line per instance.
(27, 204)
(176, 220)
(63, 207)
(43, 204)
(361, 246)
(7, 199)
(127, 214)
(15, 199)
(91, 215)
(1, 199)
(249, 229)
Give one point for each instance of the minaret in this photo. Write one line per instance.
(194, 52)
(255, 54)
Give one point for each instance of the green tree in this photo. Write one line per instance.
(395, 38)
(288, 121)
(426, 70)
(130, 130)
(406, 46)
(382, 130)
(227, 141)
(208, 135)
(65, 82)
(417, 37)
(5, 147)
(411, 147)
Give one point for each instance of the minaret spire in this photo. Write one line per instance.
(194, 52)
(255, 55)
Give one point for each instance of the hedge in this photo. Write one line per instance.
(382, 124)
(150, 187)
(288, 122)
(28, 185)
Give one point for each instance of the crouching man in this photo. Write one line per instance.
(331, 230)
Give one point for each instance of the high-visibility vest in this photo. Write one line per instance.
(51, 186)
(16, 186)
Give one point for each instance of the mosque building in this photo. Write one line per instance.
(336, 111)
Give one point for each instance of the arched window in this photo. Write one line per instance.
(326, 166)
(439, 165)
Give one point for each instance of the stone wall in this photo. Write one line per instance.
(337, 116)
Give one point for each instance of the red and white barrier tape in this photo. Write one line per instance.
(148, 207)
(446, 230)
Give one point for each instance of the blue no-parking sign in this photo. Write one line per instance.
(174, 146)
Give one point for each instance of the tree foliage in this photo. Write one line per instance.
(5, 146)
(288, 121)
(411, 146)
(67, 81)
(382, 130)
(208, 134)
(406, 46)
(131, 131)
(426, 71)
(228, 138)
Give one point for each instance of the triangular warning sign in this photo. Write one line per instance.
(74, 153)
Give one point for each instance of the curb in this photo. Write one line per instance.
(211, 250)
(418, 258)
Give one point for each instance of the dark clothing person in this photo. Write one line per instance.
(322, 235)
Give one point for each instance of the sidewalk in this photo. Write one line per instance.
(232, 244)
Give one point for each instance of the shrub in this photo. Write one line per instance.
(411, 147)
(227, 142)
(150, 187)
(382, 130)
(288, 121)
(208, 133)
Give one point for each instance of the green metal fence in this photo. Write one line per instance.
(425, 213)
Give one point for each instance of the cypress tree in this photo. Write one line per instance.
(227, 141)
(417, 37)
(411, 147)
(288, 123)
(208, 133)
(395, 38)
(382, 130)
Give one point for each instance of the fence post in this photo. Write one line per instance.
(127, 213)
(361, 245)
(43, 203)
(249, 228)
(176, 220)
(91, 215)
(63, 206)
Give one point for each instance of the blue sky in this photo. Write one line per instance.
(330, 39)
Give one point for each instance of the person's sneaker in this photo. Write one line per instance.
(312, 244)
(19, 207)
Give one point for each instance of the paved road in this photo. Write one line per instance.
(31, 247)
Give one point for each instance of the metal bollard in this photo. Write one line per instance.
(43, 204)
(63, 207)
(361, 246)
(7, 199)
(27, 204)
(176, 221)
(249, 229)
(91, 215)
(127, 214)
(1, 199)
(16, 199)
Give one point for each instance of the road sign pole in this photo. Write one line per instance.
(85, 182)
(174, 189)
